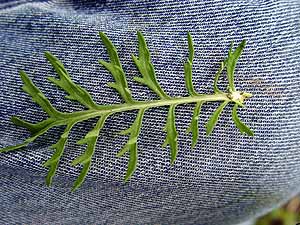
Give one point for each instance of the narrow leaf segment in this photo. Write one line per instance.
(188, 68)
(102, 112)
(239, 124)
(146, 68)
(115, 68)
(75, 92)
(85, 159)
(194, 126)
(231, 62)
(214, 118)
(172, 134)
(59, 147)
(131, 144)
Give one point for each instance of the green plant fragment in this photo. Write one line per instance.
(59, 147)
(115, 68)
(214, 118)
(172, 134)
(36, 131)
(80, 179)
(188, 78)
(37, 96)
(85, 159)
(146, 68)
(239, 124)
(231, 62)
(194, 126)
(131, 144)
(217, 76)
(74, 91)
(93, 110)
(191, 47)
(40, 128)
(188, 68)
(32, 128)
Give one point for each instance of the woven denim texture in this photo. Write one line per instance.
(227, 179)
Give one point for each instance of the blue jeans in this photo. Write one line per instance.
(227, 179)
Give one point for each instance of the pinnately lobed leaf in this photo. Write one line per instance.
(102, 112)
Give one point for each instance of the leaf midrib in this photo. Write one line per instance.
(111, 109)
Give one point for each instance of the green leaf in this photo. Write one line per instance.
(93, 110)
(146, 68)
(37, 96)
(115, 68)
(214, 118)
(239, 124)
(231, 62)
(75, 92)
(172, 135)
(16, 147)
(90, 140)
(111, 50)
(59, 147)
(193, 128)
(131, 144)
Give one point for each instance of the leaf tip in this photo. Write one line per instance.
(15, 120)
(122, 151)
(172, 162)
(243, 43)
(75, 162)
(251, 133)
(46, 164)
(208, 132)
(139, 34)
(102, 62)
(23, 75)
(127, 177)
(49, 180)
(164, 145)
(47, 54)
(102, 34)
(75, 187)
(194, 145)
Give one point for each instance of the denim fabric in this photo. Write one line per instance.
(227, 179)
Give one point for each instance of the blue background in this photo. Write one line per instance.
(227, 179)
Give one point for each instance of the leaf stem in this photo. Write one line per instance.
(109, 109)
